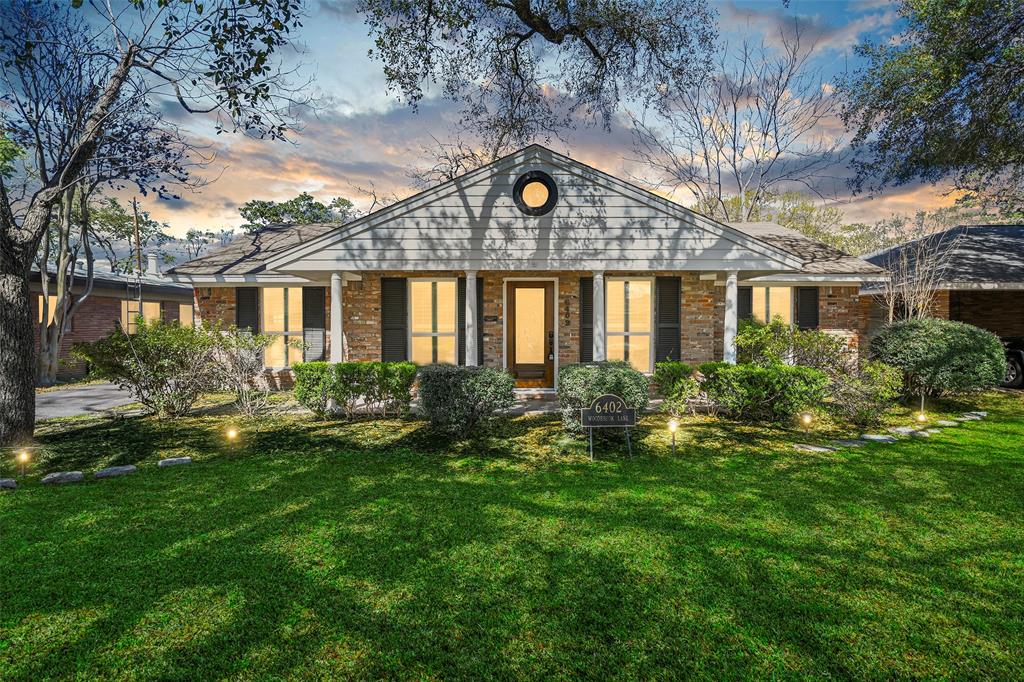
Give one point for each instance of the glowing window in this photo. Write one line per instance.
(535, 193)
(51, 305)
(628, 317)
(185, 315)
(151, 311)
(433, 309)
(281, 317)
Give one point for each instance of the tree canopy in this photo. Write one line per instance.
(259, 213)
(943, 101)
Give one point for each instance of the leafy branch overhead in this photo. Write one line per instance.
(523, 69)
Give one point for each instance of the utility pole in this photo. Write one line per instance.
(138, 240)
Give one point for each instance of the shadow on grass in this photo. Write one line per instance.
(376, 549)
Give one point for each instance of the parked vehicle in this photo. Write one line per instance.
(1014, 362)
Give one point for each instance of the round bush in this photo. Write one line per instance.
(578, 385)
(771, 394)
(941, 356)
(456, 399)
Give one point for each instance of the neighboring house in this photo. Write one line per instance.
(529, 263)
(114, 297)
(982, 283)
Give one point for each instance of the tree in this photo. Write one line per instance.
(218, 58)
(522, 69)
(259, 213)
(752, 130)
(943, 101)
(111, 224)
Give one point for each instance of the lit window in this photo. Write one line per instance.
(535, 194)
(51, 306)
(151, 312)
(628, 307)
(768, 303)
(281, 318)
(185, 315)
(432, 321)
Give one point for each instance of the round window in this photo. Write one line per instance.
(535, 193)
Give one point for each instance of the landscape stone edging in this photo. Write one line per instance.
(173, 461)
(8, 484)
(62, 477)
(111, 472)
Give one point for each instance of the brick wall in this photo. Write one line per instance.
(1000, 312)
(702, 313)
(96, 318)
(839, 312)
(215, 304)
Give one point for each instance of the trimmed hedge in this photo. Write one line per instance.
(941, 356)
(578, 385)
(379, 388)
(775, 393)
(456, 399)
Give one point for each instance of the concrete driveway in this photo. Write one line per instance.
(69, 402)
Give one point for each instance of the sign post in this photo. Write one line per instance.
(608, 411)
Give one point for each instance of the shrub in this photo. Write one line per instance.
(863, 396)
(376, 388)
(668, 374)
(456, 399)
(774, 394)
(578, 385)
(240, 368)
(941, 356)
(164, 365)
(314, 386)
(780, 343)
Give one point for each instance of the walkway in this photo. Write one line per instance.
(89, 399)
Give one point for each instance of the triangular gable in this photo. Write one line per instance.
(600, 222)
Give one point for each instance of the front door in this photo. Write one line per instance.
(531, 333)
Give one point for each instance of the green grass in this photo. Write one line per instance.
(374, 550)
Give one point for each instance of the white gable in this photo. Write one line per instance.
(472, 223)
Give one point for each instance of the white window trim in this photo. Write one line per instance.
(289, 334)
(408, 312)
(649, 333)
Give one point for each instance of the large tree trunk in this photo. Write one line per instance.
(17, 356)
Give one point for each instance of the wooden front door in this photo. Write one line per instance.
(531, 333)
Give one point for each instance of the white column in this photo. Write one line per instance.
(337, 331)
(731, 315)
(599, 330)
(471, 321)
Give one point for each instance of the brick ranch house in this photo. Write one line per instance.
(114, 297)
(532, 262)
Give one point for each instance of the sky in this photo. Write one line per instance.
(363, 138)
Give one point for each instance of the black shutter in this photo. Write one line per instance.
(247, 308)
(480, 320)
(666, 312)
(745, 308)
(586, 319)
(314, 322)
(393, 319)
(807, 307)
(460, 320)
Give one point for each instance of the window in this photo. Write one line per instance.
(767, 303)
(151, 312)
(629, 311)
(185, 315)
(281, 316)
(535, 193)
(51, 306)
(433, 312)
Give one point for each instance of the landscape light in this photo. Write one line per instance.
(922, 417)
(806, 418)
(673, 426)
(232, 433)
(23, 458)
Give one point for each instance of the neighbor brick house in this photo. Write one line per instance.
(114, 298)
(530, 263)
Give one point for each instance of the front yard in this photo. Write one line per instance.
(373, 550)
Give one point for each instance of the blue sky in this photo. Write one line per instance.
(364, 137)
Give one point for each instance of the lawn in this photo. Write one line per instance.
(373, 550)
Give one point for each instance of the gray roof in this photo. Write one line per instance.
(982, 254)
(105, 278)
(818, 258)
(247, 253)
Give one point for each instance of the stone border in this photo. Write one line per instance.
(904, 431)
(66, 477)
